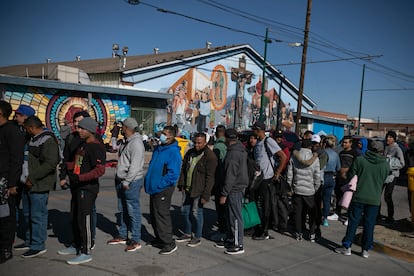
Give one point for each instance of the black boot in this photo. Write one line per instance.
(5, 254)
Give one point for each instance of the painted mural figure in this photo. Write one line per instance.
(180, 103)
(287, 117)
(204, 110)
(218, 86)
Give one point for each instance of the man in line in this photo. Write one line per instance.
(11, 160)
(371, 170)
(265, 152)
(162, 175)
(22, 113)
(346, 156)
(196, 182)
(84, 173)
(236, 181)
(392, 150)
(72, 144)
(128, 183)
(220, 150)
(44, 156)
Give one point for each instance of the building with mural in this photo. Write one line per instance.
(194, 89)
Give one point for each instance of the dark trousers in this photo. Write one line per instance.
(264, 199)
(304, 205)
(82, 224)
(280, 212)
(235, 226)
(8, 227)
(338, 195)
(388, 189)
(221, 213)
(161, 216)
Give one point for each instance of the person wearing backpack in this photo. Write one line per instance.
(44, 156)
(271, 174)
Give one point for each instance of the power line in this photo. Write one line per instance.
(329, 60)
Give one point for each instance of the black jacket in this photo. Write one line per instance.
(236, 171)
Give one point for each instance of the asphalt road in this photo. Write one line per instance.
(282, 255)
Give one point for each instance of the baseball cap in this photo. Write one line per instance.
(258, 125)
(316, 138)
(278, 133)
(230, 133)
(130, 123)
(25, 110)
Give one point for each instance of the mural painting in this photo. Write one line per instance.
(56, 109)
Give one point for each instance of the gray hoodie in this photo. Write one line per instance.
(131, 160)
(304, 179)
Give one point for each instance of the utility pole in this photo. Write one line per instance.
(262, 107)
(302, 69)
(360, 99)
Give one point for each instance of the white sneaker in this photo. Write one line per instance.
(334, 216)
(346, 222)
(365, 254)
(343, 251)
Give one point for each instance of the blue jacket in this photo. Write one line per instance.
(164, 168)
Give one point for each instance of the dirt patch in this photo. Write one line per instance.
(400, 234)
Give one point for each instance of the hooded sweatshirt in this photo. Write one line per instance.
(131, 160)
(164, 168)
(235, 164)
(372, 170)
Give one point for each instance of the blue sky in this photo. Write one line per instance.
(33, 31)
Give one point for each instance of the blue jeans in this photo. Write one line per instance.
(355, 211)
(26, 215)
(328, 186)
(194, 206)
(38, 220)
(129, 209)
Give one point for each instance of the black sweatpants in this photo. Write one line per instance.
(82, 205)
(304, 205)
(8, 226)
(161, 216)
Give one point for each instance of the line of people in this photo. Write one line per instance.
(296, 184)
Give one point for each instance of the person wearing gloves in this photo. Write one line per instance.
(128, 183)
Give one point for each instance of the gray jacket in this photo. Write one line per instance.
(131, 160)
(394, 150)
(304, 179)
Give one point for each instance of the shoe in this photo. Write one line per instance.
(33, 253)
(68, 251)
(346, 222)
(194, 242)
(5, 255)
(334, 216)
(234, 250)
(298, 236)
(261, 237)
(343, 251)
(312, 237)
(22, 246)
(81, 259)
(183, 238)
(219, 244)
(133, 246)
(389, 221)
(325, 223)
(156, 243)
(93, 245)
(169, 249)
(365, 254)
(117, 240)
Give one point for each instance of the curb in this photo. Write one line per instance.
(394, 251)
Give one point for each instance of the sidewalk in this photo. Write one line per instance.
(282, 255)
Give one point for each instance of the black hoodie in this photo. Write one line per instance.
(235, 165)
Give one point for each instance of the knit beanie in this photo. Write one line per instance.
(89, 124)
